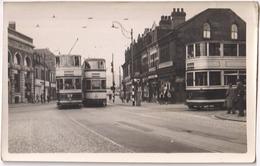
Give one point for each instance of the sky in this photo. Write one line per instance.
(57, 25)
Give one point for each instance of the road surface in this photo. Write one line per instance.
(120, 127)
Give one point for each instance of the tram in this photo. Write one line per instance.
(68, 80)
(94, 82)
(210, 68)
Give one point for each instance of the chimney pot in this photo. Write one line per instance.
(174, 10)
(178, 10)
(12, 25)
(181, 9)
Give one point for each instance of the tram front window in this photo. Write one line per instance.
(68, 84)
(95, 84)
(200, 78)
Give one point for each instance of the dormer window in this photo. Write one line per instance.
(206, 30)
(234, 31)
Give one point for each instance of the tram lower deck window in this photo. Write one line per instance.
(214, 78)
(200, 78)
(189, 79)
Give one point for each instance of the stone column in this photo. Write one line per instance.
(12, 86)
(32, 85)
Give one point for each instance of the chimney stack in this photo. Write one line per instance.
(12, 25)
(178, 17)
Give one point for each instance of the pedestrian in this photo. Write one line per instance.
(48, 98)
(230, 99)
(165, 92)
(37, 98)
(41, 98)
(240, 98)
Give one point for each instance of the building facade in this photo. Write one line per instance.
(169, 49)
(20, 66)
(44, 68)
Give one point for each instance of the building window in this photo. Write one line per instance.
(9, 57)
(198, 51)
(242, 49)
(189, 79)
(214, 49)
(103, 84)
(230, 49)
(214, 78)
(230, 77)
(17, 59)
(190, 51)
(233, 31)
(200, 78)
(27, 62)
(206, 30)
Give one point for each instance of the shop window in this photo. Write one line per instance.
(214, 78)
(189, 79)
(230, 49)
(206, 30)
(190, 51)
(234, 31)
(214, 49)
(103, 84)
(230, 77)
(242, 49)
(200, 78)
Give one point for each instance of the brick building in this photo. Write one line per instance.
(44, 68)
(20, 66)
(163, 50)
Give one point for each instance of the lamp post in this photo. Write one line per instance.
(126, 33)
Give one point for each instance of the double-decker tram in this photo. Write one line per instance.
(69, 79)
(94, 81)
(210, 68)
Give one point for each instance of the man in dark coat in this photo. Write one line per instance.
(240, 97)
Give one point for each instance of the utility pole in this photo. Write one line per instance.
(113, 78)
(73, 45)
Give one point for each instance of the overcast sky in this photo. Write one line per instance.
(61, 23)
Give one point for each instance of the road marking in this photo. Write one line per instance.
(96, 133)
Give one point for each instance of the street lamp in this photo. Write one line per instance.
(126, 33)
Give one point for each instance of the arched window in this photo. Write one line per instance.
(27, 61)
(234, 31)
(17, 59)
(9, 57)
(206, 30)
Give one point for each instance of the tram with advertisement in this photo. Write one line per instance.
(94, 82)
(69, 80)
(210, 68)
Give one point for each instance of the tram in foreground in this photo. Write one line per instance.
(94, 82)
(210, 68)
(69, 79)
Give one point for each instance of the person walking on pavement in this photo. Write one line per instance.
(165, 92)
(230, 99)
(240, 95)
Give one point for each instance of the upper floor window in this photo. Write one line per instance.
(234, 31)
(17, 59)
(206, 30)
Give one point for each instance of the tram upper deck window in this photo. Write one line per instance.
(200, 78)
(59, 84)
(190, 51)
(214, 49)
(230, 49)
(77, 84)
(189, 79)
(95, 84)
(95, 65)
(103, 84)
(214, 78)
(77, 61)
(68, 84)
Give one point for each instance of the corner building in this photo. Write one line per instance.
(20, 66)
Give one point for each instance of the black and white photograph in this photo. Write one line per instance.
(129, 81)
